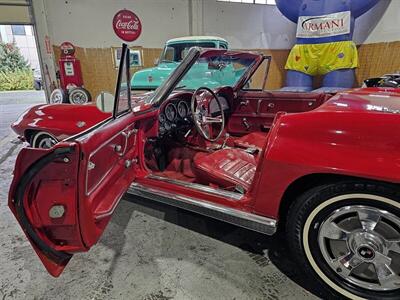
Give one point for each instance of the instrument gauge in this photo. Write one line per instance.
(167, 126)
(170, 112)
(161, 118)
(183, 109)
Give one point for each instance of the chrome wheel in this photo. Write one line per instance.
(79, 96)
(361, 244)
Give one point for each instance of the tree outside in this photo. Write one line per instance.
(15, 72)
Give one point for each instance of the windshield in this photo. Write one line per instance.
(209, 68)
(177, 52)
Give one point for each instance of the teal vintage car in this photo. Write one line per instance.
(174, 51)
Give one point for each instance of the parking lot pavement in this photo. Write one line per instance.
(12, 104)
(149, 251)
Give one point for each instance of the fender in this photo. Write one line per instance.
(61, 120)
(353, 140)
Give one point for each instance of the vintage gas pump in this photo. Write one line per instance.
(71, 82)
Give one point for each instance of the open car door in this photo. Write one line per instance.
(64, 197)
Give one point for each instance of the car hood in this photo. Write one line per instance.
(61, 120)
(368, 100)
(152, 77)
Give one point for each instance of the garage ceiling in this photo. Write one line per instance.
(15, 12)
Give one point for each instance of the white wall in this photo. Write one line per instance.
(388, 28)
(263, 26)
(89, 23)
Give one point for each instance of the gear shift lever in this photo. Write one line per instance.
(225, 140)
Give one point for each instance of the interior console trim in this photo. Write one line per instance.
(216, 211)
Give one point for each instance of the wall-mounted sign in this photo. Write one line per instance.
(135, 58)
(67, 49)
(127, 25)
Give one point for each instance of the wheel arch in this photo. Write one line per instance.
(307, 182)
(29, 133)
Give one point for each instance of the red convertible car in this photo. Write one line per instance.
(328, 177)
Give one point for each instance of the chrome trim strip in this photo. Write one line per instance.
(230, 215)
(199, 187)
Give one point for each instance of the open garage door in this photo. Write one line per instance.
(15, 12)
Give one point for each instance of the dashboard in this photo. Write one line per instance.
(176, 116)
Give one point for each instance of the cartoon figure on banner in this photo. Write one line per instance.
(324, 42)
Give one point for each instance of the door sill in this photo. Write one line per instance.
(216, 211)
(199, 187)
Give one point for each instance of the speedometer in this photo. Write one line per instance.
(170, 112)
(183, 109)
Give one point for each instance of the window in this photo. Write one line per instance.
(258, 80)
(18, 29)
(123, 85)
(269, 2)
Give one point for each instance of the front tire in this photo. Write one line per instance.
(346, 235)
(43, 140)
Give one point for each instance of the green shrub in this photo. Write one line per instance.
(11, 59)
(16, 80)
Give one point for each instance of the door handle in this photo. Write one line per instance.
(244, 103)
(246, 124)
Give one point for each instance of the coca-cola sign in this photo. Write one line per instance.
(127, 25)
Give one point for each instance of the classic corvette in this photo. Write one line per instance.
(328, 177)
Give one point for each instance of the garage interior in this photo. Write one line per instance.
(150, 250)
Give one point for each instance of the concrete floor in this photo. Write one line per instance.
(149, 251)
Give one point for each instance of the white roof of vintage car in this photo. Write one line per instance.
(197, 38)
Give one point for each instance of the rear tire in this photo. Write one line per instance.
(346, 236)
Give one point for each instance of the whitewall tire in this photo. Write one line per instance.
(43, 140)
(347, 236)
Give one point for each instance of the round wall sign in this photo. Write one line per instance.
(127, 25)
(67, 49)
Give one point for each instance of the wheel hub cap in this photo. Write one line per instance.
(362, 245)
(366, 253)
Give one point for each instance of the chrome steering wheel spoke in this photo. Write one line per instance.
(203, 120)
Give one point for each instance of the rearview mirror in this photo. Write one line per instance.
(105, 102)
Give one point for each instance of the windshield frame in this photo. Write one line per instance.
(170, 84)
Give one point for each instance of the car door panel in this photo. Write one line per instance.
(256, 109)
(48, 195)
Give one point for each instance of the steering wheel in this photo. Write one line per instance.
(203, 120)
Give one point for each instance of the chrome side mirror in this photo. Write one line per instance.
(105, 102)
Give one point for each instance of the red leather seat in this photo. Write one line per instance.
(252, 140)
(226, 168)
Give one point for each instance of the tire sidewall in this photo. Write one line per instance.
(308, 214)
(64, 96)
